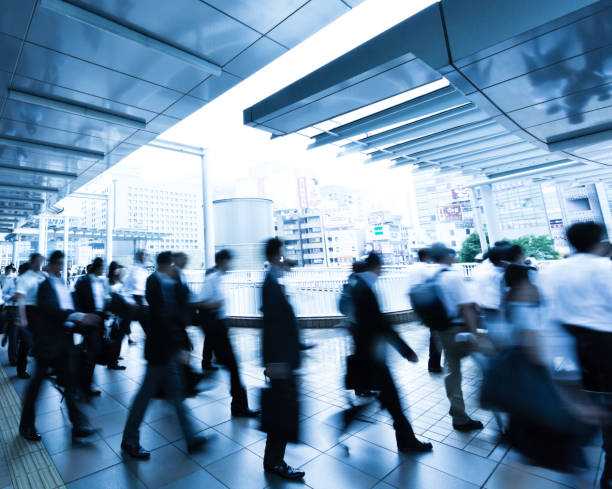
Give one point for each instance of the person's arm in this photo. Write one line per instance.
(470, 316)
(204, 299)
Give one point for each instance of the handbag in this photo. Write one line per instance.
(280, 411)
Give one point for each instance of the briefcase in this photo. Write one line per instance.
(280, 412)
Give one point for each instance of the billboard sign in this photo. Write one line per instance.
(450, 213)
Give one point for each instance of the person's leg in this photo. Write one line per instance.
(452, 382)
(173, 383)
(24, 340)
(29, 403)
(153, 376)
(12, 333)
(274, 454)
(225, 351)
(69, 367)
(435, 353)
(92, 344)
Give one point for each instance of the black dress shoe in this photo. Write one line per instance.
(306, 346)
(606, 481)
(116, 366)
(196, 444)
(136, 451)
(93, 393)
(83, 431)
(285, 471)
(23, 375)
(416, 446)
(436, 369)
(471, 425)
(30, 434)
(245, 413)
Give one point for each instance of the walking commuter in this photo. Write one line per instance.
(26, 291)
(488, 285)
(281, 358)
(420, 272)
(372, 330)
(136, 279)
(207, 346)
(580, 293)
(54, 348)
(211, 304)
(462, 317)
(90, 298)
(11, 328)
(124, 308)
(165, 356)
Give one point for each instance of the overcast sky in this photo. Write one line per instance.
(235, 148)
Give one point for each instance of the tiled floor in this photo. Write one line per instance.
(365, 457)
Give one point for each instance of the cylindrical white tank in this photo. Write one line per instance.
(241, 226)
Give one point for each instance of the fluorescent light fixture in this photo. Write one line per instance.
(76, 109)
(38, 171)
(48, 148)
(98, 21)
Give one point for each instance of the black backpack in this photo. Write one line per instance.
(427, 304)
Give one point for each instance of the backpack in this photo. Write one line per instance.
(427, 304)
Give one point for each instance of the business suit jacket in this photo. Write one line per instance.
(52, 339)
(281, 342)
(83, 296)
(164, 338)
(371, 326)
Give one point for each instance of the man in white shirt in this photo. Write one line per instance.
(579, 292)
(26, 292)
(211, 304)
(11, 331)
(461, 312)
(136, 280)
(420, 272)
(488, 286)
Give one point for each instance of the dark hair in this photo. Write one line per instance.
(273, 247)
(359, 267)
(424, 254)
(439, 251)
(373, 260)
(24, 267)
(515, 274)
(584, 236)
(54, 257)
(164, 258)
(502, 242)
(221, 256)
(514, 252)
(97, 263)
(35, 256)
(112, 268)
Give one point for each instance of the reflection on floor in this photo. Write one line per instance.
(365, 457)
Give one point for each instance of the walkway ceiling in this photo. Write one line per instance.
(84, 83)
(494, 89)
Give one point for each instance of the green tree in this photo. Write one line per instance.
(542, 247)
(469, 249)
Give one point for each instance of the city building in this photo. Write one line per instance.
(386, 235)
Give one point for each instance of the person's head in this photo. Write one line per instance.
(36, 262)
(442, 254)
(274, 251)
(164, 261)
(180, 259)
(585, 236)
(515, 254)
(516, 275)
(97, 267)
(358, 266)
(9, 269)
(502, 242)
(222, 260)
(424, 255)
(56, 263)
(140, 256)
(373, 263)
(497, 255)
(24, 267)
(114, 272)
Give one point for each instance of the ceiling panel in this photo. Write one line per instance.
(307, 20)
(19, 155)
(261, 15)
(52, 67)
(9, 52)
(184, 107)
(214, 86)
(15, 17)
(252, 59)
(58, 32)
(190, 24)
(560, 129)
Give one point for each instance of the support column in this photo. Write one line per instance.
(209, 240)
(15, 252)
(110, 223)
(604, 204)
(478, 221)
(66, 243)
(490, 211)
(42, 235)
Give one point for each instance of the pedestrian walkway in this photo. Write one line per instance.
(365, 457)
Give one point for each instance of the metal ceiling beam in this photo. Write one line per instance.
(484, 155)
(10, 198)
(76, 109)
(523, 162)
(49, 148)
(465, 114)
(529, 173)
(548, 165)
(35, 188)
(443, 99)
(38, 171)
(109, 25)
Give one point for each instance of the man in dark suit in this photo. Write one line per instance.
(281, 357)
(89, 297)
(53, 347)
(165, 354)
(372, 329)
